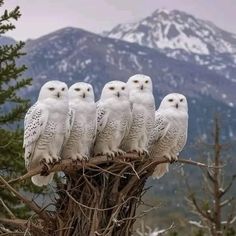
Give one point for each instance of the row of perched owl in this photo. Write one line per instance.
(69, 124)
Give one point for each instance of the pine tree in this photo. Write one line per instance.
(12, 110)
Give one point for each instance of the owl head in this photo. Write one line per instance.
(53, 89)
(174, 101)
(115, 89)
(81, 91)
(140, 83)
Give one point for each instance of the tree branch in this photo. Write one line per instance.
(7, 209)
(203, 213)
(20, 224)
(223, 192)
(68, 165)
(32, 205)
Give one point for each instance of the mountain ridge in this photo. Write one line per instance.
(184, 37)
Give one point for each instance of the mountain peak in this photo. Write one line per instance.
(175, 29)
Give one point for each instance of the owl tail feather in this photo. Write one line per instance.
(160, 170)
(40, 180)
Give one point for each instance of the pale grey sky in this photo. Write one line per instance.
(40, 17)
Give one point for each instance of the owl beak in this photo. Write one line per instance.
(58, 94)
(118, 94)
(177, 105)
(141, 87)
(83, 95)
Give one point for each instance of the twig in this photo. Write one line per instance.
(7, 209)
(88, 207)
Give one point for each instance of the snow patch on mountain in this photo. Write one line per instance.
(176, 30)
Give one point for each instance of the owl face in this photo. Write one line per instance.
(82, 91)
(175, 101)
(115, 89)
(53, 89)
(139, 82)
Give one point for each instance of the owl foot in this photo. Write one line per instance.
(56, 159)
(168, 158)
(140, 151)
(119, 152)
(77, 156)
(110, 155)
(145, 152)
(85, 158)
(46, 167)
(173, 159)
(47, 159)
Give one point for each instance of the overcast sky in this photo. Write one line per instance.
(40, 17)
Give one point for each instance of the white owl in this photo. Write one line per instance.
(83, 122)
(113, 119)
(143, 114)
(170, 133)
(46, 128)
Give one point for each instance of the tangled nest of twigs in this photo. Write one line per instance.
(99, 197)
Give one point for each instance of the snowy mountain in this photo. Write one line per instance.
(73, 55)
(184, 37)
(176, 30)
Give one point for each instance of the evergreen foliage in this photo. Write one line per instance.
(12, 110)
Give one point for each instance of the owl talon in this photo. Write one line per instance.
(119, 152)
(140, 152)
(56, 159)
(173, 159)
(85, 158)
(146, 153)
(167, 157)
(46, 167)
(110, 155)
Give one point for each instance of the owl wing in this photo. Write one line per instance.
(161, 126)
(182, 139)
(69, 124)
(34, 124)
(102, 117)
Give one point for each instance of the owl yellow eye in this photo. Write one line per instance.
(111, 88)
(146, 81)
(51, 89)
(62, 89)
(77, 89)
(181, 100)
(88, 89)
(123, 88)
(171, 100)
(136, 81)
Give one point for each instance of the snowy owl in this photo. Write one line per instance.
(83, 122)
(143, 114)
(170, 133)
(46, 128)
(113, 119)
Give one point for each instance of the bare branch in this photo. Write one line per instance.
(197, 224)
(223, 192)
(32, 205)
(7, 209)
(20, 224)
(203, 213)
(226, 202)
